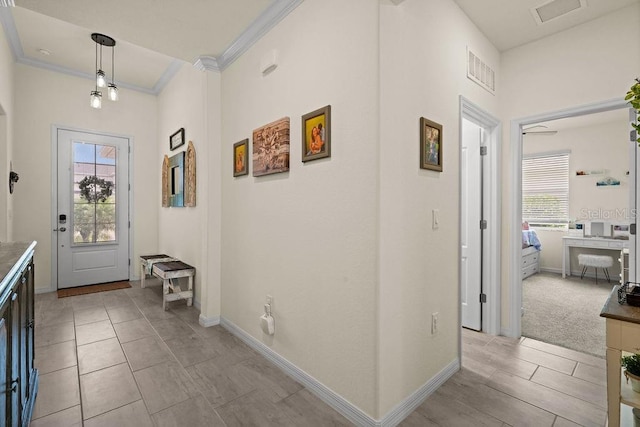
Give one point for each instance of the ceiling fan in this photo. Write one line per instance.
(531, 130)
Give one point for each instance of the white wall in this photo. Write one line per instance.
(593, 147)
(6, 136)
(48, 98)
(184, 231)
(423, 72)
(593, 62)
(308, 237)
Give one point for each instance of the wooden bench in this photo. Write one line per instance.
(146, 264)
(170, 272)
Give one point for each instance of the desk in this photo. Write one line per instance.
(623, 334)
(588, 242)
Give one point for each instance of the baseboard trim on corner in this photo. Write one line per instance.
(328, 396)
(506, 332)
(208, 321)
(333, 399)
(415, 399)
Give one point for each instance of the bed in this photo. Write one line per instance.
(531, 247)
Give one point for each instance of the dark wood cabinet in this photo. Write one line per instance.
(18, 376)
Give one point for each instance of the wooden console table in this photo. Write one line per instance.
(588, 242)
(623, 334)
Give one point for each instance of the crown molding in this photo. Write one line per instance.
(206, 63)
(168, 74)
(6, 19)
(275, 13)
(268, 19)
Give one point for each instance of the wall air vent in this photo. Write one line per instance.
(555, 9)
(480, 72)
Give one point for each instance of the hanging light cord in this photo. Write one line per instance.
(112, 67)
(96, 65)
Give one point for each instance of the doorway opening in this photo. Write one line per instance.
(480, 220)
(91, 197)
(562, 234)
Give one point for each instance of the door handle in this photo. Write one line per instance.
(61, 229)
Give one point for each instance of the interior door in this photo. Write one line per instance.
(470, 232)
(93, 208)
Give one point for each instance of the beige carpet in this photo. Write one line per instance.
(565, 312)
(81, 290)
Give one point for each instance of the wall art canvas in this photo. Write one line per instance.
(271, 148)
(316, 134)
(430, 145)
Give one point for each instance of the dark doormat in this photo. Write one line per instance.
(82, 290)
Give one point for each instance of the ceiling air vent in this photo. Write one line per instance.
(555, 9)
(480, 72)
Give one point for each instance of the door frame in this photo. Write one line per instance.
(515, 198)
(54, 197)
(492, 202)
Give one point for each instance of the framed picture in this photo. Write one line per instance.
(241, 158)
(316, 134)
(271, 148)
(177, 139)
(430, 145)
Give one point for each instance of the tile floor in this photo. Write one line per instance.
(117, 359)
(511, 382)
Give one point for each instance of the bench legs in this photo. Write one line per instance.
(167, 285)
(143, 274)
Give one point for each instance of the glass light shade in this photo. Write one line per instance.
(112, 92)
(101, 79)
(96, 99)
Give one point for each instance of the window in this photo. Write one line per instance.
(545, 189)
(94, 205)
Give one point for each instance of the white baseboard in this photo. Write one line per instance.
(208, 321)
(590, 274)
(333, 399)
(44, 290)
(506, 332)
(408, 405)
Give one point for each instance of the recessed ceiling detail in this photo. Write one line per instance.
(556, 9)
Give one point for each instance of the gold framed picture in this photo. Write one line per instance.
(430, 145)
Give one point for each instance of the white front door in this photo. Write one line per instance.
(470, 232)
(92, 221)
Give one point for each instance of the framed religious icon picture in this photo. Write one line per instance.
(430, 145)
(241, 158)
(316, 134)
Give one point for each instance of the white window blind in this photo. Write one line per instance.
(545, 188)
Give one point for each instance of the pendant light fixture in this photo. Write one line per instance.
(101, 78)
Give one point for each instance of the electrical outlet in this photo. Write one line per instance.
(269, 299)
(434, 323)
